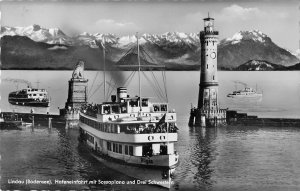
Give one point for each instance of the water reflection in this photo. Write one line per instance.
(203, 154)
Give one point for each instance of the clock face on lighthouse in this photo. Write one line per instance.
(213, 55)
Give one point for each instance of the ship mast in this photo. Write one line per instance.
(104, 68)
(139, 73)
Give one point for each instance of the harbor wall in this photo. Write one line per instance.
(235, 118)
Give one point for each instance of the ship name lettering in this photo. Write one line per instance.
(147, 160)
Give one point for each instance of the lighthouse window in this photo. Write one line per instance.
(213, 77)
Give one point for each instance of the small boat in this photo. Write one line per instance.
(133, 135)
(29, 97)
(245, 93)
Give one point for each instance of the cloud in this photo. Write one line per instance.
(112, 25)
(237, 12)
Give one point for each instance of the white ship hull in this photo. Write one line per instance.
(169, 160)
(150, 176)
(245, 96)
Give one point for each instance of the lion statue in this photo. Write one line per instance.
(78, 71)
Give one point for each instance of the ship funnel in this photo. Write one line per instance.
(113, 98)
(121, 93)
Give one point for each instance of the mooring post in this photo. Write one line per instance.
(49, 122)
(67, 124)
(32, 120)
(203, 121)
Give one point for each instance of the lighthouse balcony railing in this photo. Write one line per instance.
(202, 33)
(206, 111)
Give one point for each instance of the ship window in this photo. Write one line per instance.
(109, 146)
(41, 94)
(163, 149)
(123, 108)
(114, 147)
(147, 150)
(106, 109)
(144, 102)
(115, 109)
(90, 138)
(120, 148)
(101, 143)
(131, 150)
(126, 150)
(34, 94)
(133, 103)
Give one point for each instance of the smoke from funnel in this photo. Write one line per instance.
(114, 72)
(14, 80)
(239, 82)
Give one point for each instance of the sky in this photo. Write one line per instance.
(279, 19)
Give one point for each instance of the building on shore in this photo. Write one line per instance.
(208, 112)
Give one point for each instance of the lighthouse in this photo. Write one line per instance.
(208, 111)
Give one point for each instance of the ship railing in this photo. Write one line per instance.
(130, 129)
(163, 152)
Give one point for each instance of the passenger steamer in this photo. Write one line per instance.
(30, 97)
(132, 135)
(245, 93)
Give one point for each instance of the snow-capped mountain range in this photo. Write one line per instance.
(37, 33)
(259, 65)
(297, 53)
(171, 48)
(56, 36)
(254, 35)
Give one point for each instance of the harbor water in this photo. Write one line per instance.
(227, 158)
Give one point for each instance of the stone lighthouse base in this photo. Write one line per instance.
(207, 118)
(71, 116)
